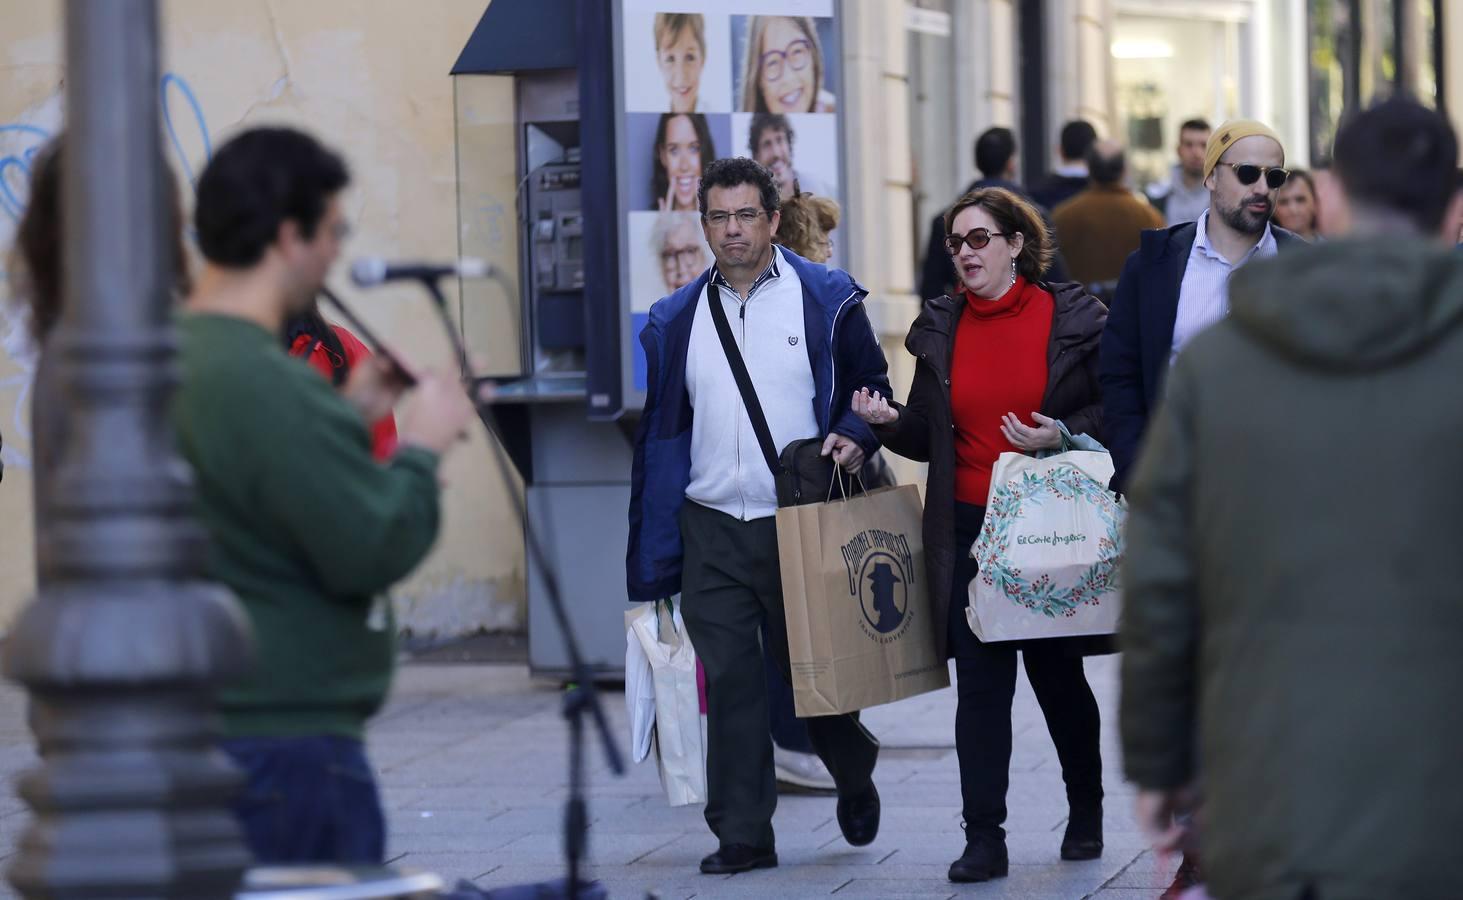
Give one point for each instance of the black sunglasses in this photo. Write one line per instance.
(1248, 173)
(977, 238)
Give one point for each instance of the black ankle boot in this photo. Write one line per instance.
(984, 858)
(1083, 839)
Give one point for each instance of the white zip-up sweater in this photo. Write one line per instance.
(728, 471)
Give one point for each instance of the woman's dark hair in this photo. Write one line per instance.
(660, 179)
(1012, 214)
(311, 323)
(36, 259)
(256, 182)
(725, 173)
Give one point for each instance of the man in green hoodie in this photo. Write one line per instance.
(1292, 625)
(307, 529)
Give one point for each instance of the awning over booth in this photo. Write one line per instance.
(521, 36)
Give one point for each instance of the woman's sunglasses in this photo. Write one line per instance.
(1248, 173)
(977, 238)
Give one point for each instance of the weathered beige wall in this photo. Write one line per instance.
(369, 77)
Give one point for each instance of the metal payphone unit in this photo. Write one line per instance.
(607, 157)
(560, 422)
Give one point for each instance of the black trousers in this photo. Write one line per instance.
(731, 587)
(986, 683)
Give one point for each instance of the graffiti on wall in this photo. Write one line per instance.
(189, 146)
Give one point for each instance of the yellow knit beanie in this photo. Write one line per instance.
(1225, 136)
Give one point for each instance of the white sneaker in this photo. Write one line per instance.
(803, 770)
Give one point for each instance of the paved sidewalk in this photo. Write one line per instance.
(473, 763)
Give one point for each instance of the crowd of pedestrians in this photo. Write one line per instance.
(1287, 668)
(1247, 379)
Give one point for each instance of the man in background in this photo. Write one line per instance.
(1070, 175)
(1099, 227)
(1183, 198)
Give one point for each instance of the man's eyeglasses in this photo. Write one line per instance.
(1248, 173)
(977, 238)
(798, 54)
(747, 216)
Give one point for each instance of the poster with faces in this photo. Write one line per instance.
(710, 79)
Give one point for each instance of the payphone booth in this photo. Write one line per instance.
(582, 130)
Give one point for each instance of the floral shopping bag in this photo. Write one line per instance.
(1049, 550)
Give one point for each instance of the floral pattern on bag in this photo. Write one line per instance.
(992, 549)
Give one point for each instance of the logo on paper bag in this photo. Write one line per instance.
(880, 571)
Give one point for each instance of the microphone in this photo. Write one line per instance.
(370, 271)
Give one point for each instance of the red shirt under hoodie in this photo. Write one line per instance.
(1000, 367)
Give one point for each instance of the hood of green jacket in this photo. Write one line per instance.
(1349, 304)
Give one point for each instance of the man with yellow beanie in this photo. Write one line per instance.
(1177, 284)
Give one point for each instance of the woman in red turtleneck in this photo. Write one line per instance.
(998, 366)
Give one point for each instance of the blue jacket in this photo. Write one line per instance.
(845, 357)
(1138, 339)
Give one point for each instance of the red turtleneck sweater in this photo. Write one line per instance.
(999, 367)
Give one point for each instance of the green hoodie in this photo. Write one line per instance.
(1293, 633)
(306, 529)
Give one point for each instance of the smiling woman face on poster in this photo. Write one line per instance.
(783, 71)
(683, 146)
(680, 53)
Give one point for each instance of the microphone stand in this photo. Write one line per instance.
(582, 697)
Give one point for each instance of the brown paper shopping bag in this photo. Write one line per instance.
(860, 626)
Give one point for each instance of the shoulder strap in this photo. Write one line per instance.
(744, 380)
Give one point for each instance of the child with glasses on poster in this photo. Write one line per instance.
(783, 71)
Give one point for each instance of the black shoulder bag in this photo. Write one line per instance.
(801, 472)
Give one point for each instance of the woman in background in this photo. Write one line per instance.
(784, 67)
(1296, 208)
(683, 147)
(807, 225)
(36, 273)
(680, 52)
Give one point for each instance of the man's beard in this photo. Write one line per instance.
(1244, 221)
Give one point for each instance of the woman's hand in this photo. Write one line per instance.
(1047, 436)
(874, 409)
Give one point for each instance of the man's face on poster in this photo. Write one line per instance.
(774, 150)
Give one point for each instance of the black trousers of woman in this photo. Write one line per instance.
(986, 684)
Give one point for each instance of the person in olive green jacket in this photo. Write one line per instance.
(1293, 622)
(306, 527)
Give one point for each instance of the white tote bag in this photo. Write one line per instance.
(680, 729)
(1049, 549)
(639, 685)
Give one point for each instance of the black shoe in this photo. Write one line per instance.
(1083, 839)
(858, 817)
(734, 858)
(984, 858)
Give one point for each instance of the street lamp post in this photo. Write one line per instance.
(126, 641)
